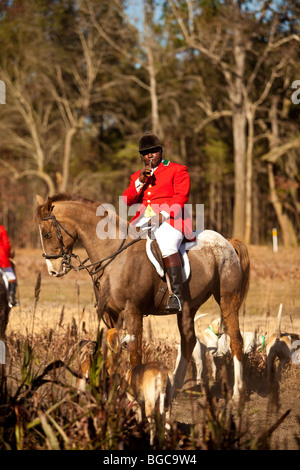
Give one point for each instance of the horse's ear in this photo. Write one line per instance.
(46, 206)
(39, 200)
(49, 203)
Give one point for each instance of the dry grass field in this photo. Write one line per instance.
(66, 303)
(275, 279)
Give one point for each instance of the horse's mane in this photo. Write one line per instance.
(74, 197)
(68, 197)
(60, 197)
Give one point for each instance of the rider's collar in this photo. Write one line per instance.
(163, 162)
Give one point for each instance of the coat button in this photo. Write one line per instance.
(149, 192)
(148, 200)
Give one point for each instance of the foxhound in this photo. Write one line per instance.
(115, 339)
(207, 343)
(149, 389)
(214, 342)
(282, 346)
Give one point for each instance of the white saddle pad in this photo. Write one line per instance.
(184, 247)
(5, 280)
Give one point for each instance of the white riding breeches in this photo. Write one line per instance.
(168, 238)
(9, 273)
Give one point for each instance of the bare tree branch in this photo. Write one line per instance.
(280, 150)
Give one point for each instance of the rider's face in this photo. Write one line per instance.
(152, 157)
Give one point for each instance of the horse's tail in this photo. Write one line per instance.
(243, 254)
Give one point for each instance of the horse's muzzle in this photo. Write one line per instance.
(56, 268)
(55, 273)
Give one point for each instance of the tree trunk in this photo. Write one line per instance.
(153, 93)
(257, 211)
(289, 237)
(212, 200)
(239, 142)
(67, 156)
(249, 171)
(288, 233)
(235, 91)
(149, 46)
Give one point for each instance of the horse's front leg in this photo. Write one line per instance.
(185, 321)
(133, 323)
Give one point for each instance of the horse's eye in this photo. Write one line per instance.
(47, 235)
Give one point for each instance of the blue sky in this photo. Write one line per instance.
(135, 12)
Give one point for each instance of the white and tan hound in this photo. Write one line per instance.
(150, 391)
(280, 345)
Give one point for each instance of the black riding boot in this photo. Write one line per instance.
(12, 289)
(174, 271)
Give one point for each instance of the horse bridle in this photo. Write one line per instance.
(58, 226)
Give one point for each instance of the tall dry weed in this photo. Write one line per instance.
(43, 409)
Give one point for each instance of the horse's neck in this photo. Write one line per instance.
(89, 230)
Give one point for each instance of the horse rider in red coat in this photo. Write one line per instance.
(6, 266)
(162, 189)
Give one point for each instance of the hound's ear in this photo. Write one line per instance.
(39, 200)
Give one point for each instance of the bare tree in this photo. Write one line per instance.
(151, 50)
(51, 90)
(73, 87)
(228, 41)
(27, 123)
(277, 150)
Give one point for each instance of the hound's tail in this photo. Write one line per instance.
(278, 328)
(169, 390)
(242, 252)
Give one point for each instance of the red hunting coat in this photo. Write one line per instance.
(5, 249)
(166, 190)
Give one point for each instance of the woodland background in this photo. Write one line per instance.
(214, 79)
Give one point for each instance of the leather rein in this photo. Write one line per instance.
(92, 268)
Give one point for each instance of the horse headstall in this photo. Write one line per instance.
(58, 226)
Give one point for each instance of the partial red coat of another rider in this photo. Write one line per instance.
(5, 249)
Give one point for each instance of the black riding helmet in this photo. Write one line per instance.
(149, 142)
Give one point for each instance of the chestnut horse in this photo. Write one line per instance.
(126, 283)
